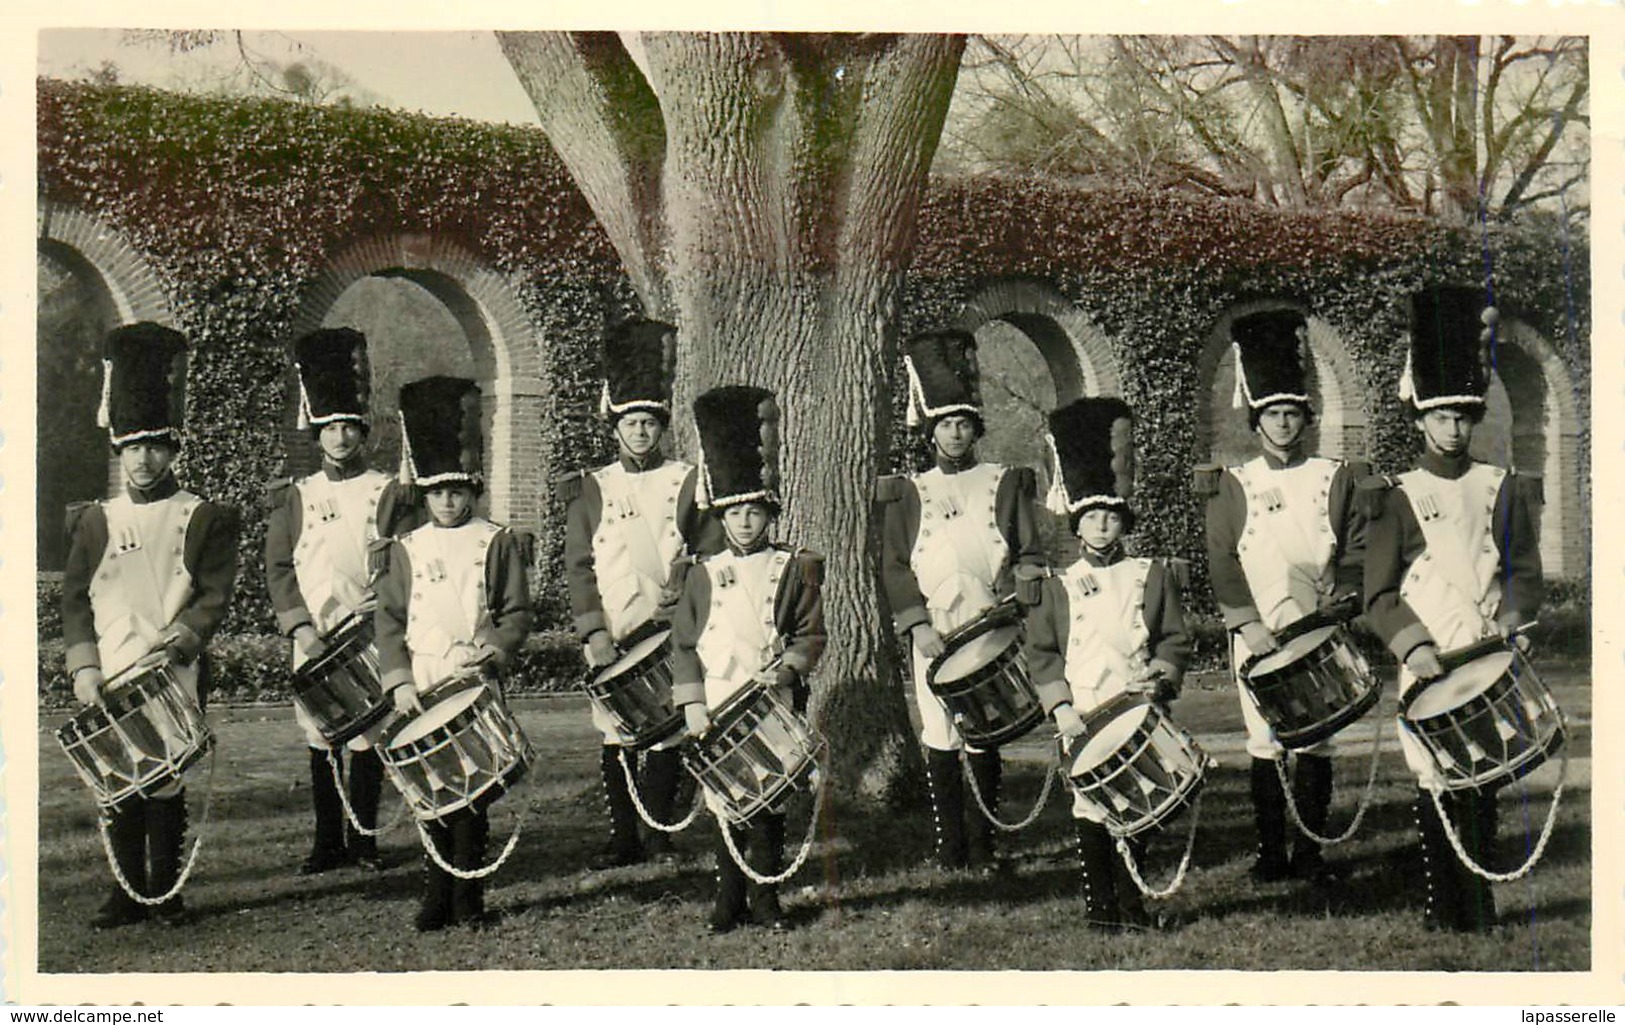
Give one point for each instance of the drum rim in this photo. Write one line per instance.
(623, 666)
(1176, 802)
(450, 688)
(1146, 723)
(1339, 635)
(1410, 697)
(122, 695)
(1408, 702)
(785, 784)
(974, 630)
(366, 721)
(649, 738)
(1345, 717)
(1020, 727)
(1335, 614)
(166, 773)
(506, 780)
(1511, 771)
(339, 641)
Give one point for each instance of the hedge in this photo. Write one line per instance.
(240, 204)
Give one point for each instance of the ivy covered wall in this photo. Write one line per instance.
(241, 206)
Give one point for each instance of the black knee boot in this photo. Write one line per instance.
(126, 827)
(1269, 812)
(987, 769)
(766, 858)
(434, 912)
(1476, 821)
(327, 847)
(166, 842)
(659, 786)
(1096, 853)
(366, 786)
(947, 806)
(624, 848)
(728, 910)
(1442, 911)
(469, 835)
(1312, 795)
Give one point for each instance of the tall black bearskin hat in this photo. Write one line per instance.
(143, 384)
(1448, 363)
(1271, 367)
(440, 432)
(335, 381)
(639, 356)
(739, 447)
(942, 377)
(1092, 442)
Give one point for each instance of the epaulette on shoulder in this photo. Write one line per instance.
(1370, 492)
(1532, 486)
(890, 488)
(277, 488)
(74, 511)
(1205, 479)
(526, 541)
(1180, 570)
(568, 485)
(1359, 469)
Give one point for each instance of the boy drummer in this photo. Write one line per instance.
(1453, 558)
(750, 614)
(1284, 539)
(454, 599)
(628, 537)
(320, 563)
(1107, 625)
(148, 578)
(951, 538)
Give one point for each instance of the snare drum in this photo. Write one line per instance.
(464, 750)
(146, 735)
(755, 753)
(339, 689)
(1136, 767)
(1486, 723)
(981, 676)
(1313, 685)
(636, 692)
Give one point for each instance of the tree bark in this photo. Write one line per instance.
(793, 167)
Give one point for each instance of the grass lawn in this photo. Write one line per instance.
(864, 901)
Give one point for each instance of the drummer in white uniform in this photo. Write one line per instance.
(1284, 539)
(323, 543)
(454, 600)
(951, 538)
(1453, 558)
(631, 532)
(1110, 623)
(750, 614)
(148, 579)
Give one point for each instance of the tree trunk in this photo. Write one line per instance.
(793, 169)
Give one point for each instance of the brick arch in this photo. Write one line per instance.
(1341, 418)
(504, 342)
(1546, 424)
(1080, 358)
(124, 282)
(84, 240)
